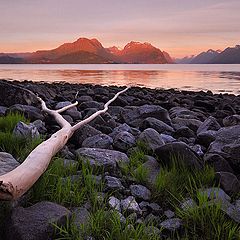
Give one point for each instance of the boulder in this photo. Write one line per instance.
(184, 132)
(215, 194)
(40, 125)
(152, 168)
(24, 130)
(98, 141)
(123, 141)
(124, 128)
(3, 111)
(83, 133)
(178, 151)
(108, 159)
(217, 162)
(81, 216)
(151, 138)
(228, 182)
(158, 125)
(133, 115)
(193, 124)
(205, 138)
(113, 183)
(72, 112)
(91, 104)
(171, 224)
(209, 124)
(114, 203)
(7, 163)
(35, 222)
(129, 205)
(231, 120)
(227, 144)
(140, 192)
(29, 112)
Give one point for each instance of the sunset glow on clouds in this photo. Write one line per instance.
(180, 27)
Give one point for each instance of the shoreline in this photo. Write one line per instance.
(154, 157)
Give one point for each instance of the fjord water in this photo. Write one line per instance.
(218, 78)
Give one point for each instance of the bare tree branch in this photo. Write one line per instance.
(15, 183)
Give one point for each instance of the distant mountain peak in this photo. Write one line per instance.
(85, 50)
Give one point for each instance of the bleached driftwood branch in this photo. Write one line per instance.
(15, 183)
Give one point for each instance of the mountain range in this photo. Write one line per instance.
(230, 55)
(86, 50)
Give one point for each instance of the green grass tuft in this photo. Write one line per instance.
(19, 147)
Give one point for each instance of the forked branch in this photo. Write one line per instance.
(15, 183)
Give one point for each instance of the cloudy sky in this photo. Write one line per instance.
(181, 27)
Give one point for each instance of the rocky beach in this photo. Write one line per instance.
(160, 164)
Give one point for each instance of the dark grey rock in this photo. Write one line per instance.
(152, 168)
(184, 131)
(155, 208)
(169, 214)
(140, 192)
(113, 183)
(3, 111)
(205, 138)
(134, 115)
(215, 193)
(84, 98)
(109, 159)
(171, 224)
(228, 182)
(26, 130)
(123, 141)
(130, 205)
(231, 120)
(167, 138)
(29, 112)
(151, 138)
(114, 203)
(40, 125)
(98, 141)
(217, 162)
(7, 163)
(81, 216)
(179, 152)
(209, 124)
(35, 222)
(197, 149)
(158, 125)
(91, 104)
(193, 124)
(83, 133)
(124, 128)
(72, 112)
(227, 144)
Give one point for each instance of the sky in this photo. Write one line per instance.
(180, 27)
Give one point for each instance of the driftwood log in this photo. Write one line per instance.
(17, 182)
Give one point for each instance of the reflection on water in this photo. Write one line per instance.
(217, 78)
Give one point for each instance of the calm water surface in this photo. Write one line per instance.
(217, 78)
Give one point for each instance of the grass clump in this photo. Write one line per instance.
(67, 185)
(8, 122)
(106, 225)
(134, 168)
(207, 221)
(19, 147)
(176, 181)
